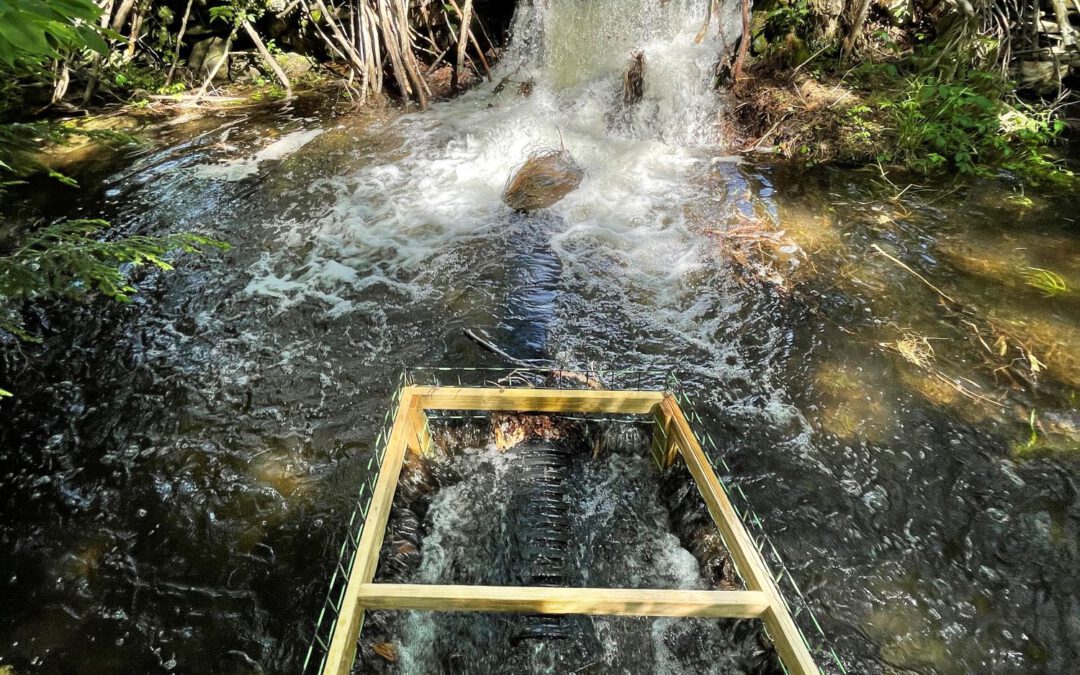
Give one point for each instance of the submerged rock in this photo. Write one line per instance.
(295, 65)
(544, 179)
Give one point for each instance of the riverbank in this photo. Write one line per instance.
(886, 87)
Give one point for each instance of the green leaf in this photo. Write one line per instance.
(24, 38)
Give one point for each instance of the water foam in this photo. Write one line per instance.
(390, 220)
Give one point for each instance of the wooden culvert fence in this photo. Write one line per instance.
(353, 591)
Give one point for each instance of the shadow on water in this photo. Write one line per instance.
(533, 269)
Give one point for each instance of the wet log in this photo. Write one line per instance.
(634, 79)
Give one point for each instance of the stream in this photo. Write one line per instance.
(175, 473)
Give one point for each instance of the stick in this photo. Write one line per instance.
(217, 66)
(266, 56)
(917, 275)
(136, 32)
(354, 58)
(179, 43)
(393, 49)
(705, 28)
(463, 32)
(412, 68)
(95, 71)
(467, 23)
(744, 43)
(494, 349)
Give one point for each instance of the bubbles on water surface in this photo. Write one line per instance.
(618, 533)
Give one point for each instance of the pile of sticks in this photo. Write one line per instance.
(382, 44)
(371, 34)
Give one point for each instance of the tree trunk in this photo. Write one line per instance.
(855, 31)
(744, 44)
(463, 40)
(474, 41)
(121, 15)
(1061, 13)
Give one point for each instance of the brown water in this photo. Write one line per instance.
(174, 473)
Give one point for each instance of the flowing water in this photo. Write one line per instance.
(174, 472)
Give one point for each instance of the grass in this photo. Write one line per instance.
(1051, 284)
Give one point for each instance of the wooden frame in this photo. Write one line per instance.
(674, 437)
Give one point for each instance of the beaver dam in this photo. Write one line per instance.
(536, 529)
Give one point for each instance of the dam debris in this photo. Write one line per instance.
(543, 180)
(634, 79)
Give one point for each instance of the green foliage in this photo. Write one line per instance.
(234, 12)
(32, 31)
(68, 259)
(20, 143)
(1050, 283)
(1033, 434)
(970, 126)
(793, 16)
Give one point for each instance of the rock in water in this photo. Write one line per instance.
(545, 178)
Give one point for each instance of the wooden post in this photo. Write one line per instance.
(342, 652)
(785, 634)
(420, 435)
(538, 400)
(546, 600)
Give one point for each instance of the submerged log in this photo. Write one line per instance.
(545, 178)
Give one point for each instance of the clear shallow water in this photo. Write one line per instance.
(172, 473)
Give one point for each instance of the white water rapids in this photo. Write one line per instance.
(394, 219)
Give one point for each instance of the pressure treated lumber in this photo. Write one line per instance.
(544, 600)
(538, 400)
(409, 432)
(342, 652)
(785, 634)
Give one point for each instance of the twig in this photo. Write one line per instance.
(917, 275)
(179, 43)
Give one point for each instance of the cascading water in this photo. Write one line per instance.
(640, 163)
(582, 509)
(640, 158)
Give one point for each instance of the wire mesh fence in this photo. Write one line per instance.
(798, 605)
(627, 379)
(323, 634)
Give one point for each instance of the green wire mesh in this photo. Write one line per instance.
(818, 644)
(798, 606)
(323, 634)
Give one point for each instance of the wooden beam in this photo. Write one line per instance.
(538, 600)
(342, 652)
(785, 634)
(538, 400)
(420, 433)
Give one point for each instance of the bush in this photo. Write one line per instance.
(972, 128)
